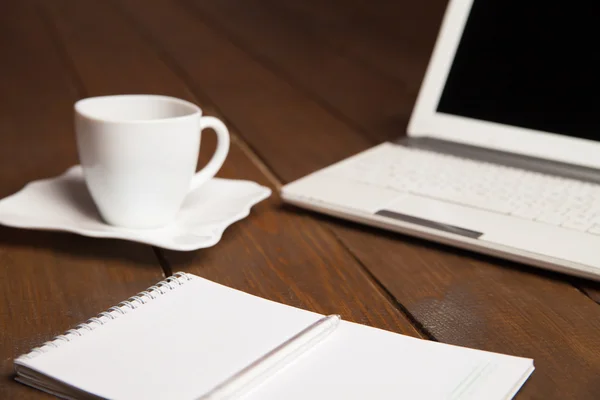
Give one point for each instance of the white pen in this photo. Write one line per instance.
(274, 360)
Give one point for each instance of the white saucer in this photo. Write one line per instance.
(64, 204)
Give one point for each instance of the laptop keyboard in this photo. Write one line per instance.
(549, 199)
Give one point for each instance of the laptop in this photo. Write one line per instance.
(502, 153)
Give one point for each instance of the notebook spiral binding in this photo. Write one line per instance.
(112, 313)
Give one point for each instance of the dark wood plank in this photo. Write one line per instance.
(272, 253)
(49, 282)
(225, 72)
(281, 41)
(458, 297)
(394, 38)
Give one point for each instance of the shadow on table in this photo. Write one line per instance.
(590, 288)
(74, 245)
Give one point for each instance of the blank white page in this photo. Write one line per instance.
(360, 362)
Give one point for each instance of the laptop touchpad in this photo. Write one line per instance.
(434, 214)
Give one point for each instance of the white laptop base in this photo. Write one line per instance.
(540, 219)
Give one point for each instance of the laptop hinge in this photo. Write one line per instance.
(541, 165)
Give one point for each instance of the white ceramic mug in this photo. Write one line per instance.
(139, 155)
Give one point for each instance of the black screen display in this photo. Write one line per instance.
(529, 63)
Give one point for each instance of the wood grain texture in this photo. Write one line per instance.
(392, 38)
(260, 99)
(49, 282)
(458, 297)
(272, 253)
(284, 43)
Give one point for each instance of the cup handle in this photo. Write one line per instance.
(217, 160)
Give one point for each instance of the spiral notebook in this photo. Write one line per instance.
(184, 336)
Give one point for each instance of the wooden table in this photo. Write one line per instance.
(301, 84)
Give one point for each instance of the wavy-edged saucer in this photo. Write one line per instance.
(63, 203)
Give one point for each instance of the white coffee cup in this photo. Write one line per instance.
(139, 155)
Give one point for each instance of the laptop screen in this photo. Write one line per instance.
(529, 63)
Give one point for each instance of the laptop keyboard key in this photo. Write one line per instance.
(551, 218)
(578, 224)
